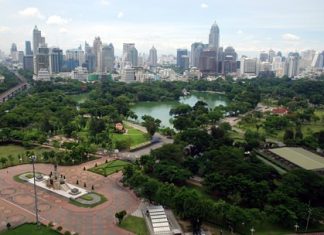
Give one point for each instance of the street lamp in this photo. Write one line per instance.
(33, 160)
(252, 230)
(296, 227)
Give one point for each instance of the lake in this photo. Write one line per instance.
(161, 110)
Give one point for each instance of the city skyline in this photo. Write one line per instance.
(250, 27)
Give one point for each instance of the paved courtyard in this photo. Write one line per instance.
(17, 202)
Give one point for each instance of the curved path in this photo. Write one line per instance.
(16, 200)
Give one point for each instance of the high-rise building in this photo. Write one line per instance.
(55, 60)
(97, 50)
(264, 56)
(229, 61)
(214, 37)
(318, 61)
(133, 56)
(14, 52)
(41, 59)
(28, 50)
(208, 61)
(249, 66)
(272, 54)
(38, 40)
(21, 57)
(152, 61)
(108, 58)
(181, 54)
(74, 58)
(196, 50)
(293, 65)
(28, 63)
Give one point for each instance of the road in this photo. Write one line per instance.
(146, 150)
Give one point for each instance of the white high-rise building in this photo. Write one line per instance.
(152, 61)
(214, 37)
(108, 58)
(196, 49)
(38, 41)
(76, 55)
(292, 66)
(318, 61)
(249, 67)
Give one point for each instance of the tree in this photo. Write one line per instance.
(3, 161)
(151, 124)
(289, 137)
(120, 215)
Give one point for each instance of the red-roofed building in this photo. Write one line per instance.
(280, 111)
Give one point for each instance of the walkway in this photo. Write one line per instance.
(17, 202)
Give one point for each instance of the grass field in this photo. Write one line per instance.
(135, 136)
(86, 197)
(134, 224)
(30, 229)
(80, 98)
(16, 150)
(109, 168)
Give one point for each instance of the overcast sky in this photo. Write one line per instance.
(250, 26)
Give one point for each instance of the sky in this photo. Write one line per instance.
(250, 26)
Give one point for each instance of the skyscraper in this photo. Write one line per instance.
(133, 56)
(214, 37)
(264, 56)
(293, 65)
(55, 60)
(28, 50)
(38, 40)
(108, 58)
(97, 49)
(41, 59)
(74, 58)
(196, 50)
(180, 55)
(229, 61)
(14, 52)
(152, 57)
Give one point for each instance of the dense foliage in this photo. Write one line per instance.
(9, 81)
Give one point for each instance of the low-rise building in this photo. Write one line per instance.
(80, 73)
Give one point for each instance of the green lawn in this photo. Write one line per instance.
(30, 229)
(16, 150)
(109, 168)
(80, 98)
(135, 136)
(134, 224)
(86, 197)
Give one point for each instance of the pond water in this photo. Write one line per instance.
(161, 110)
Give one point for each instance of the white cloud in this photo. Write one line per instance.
(104, 2)
(31, 12)
(3, 29)
(290, 37)
(120, 14)
(55, 19)
(63, 30)
(239, 32)
(204, 5)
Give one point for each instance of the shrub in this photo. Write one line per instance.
(50, 224)
(59, 228)
(67, 233)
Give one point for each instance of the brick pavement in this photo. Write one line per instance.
(16, 200)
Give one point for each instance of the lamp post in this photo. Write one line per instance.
(33, 160)
(296, 227)
(252, 230)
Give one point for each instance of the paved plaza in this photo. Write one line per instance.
(17, 201)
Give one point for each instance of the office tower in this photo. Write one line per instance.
(292, 65)
(14, 52)
(108, 58)
(20, 57)
(55, 60)
(264, 56)
(74, 58)
(126, 48)
(214, 37)
(318, 61)
(133, 56)
(37, 39)
(97, 50)
(249, 66)
(28, 50)
(41, 59)
(208, 63)
(272, 54)
(196, 50)
(181, 53)
(229, 64)
(28, 63)
(152, 61)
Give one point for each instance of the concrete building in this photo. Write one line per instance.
(318, 60)
(128, 74)
(43, 75)
(28, 63)
(229, 61)
(55, 60)
(293, 66)
(41, 59)
(208, 63)
(108, 58)
(272, 54)
(28, 50)
(80, 73)
(97, 50)
(152, 60)
(74, 58)
(196, 49)
(181, 57)
(21, 57)
(14, 52)
(264, 56)
(249, 67)
(214, 37)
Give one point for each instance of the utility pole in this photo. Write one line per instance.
(33, 159)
